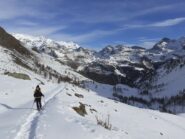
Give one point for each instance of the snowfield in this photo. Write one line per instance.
(59, 120)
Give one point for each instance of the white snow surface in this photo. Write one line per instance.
(59, 120)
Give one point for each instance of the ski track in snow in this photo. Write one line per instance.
(165, 120)
(28, 128)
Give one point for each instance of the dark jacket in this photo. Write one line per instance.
(38, 94)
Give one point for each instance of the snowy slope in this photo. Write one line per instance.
(59, 120)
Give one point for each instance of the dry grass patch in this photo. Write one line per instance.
(81, 110)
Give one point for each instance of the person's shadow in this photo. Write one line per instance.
(12, 108)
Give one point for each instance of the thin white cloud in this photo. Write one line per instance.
(155, 9)
(164, 23)
(90, 36)
(122, 14)
(84, 37)
(11, 9)
(169, 22)
(26, 23)
(36, 30)
(112, 12)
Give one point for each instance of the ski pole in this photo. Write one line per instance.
(33, 104)
(44, 101)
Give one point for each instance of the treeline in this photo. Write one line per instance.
(164, 104)
(174, 63)
(51, 74)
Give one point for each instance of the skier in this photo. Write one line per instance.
(37, 95)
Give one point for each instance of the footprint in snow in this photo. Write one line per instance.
(87, 127)
(126, 133)
(115, 129)
(154, 118)
(69, 119)
(76, 121)
(60, 111)
(84, 125)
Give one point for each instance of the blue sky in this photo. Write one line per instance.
(96, 23)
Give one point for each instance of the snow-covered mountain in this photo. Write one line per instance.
(43, 44)
(163, 50)
(115, 56)
(75, 106)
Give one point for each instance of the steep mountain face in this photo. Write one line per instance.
(161, 45)
(9, 42)
(167, 45)
(151, 72)
(125, 64)
(14, 53)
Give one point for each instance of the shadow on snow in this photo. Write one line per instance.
(12, 108)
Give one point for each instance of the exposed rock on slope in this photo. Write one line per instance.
(9, 42)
